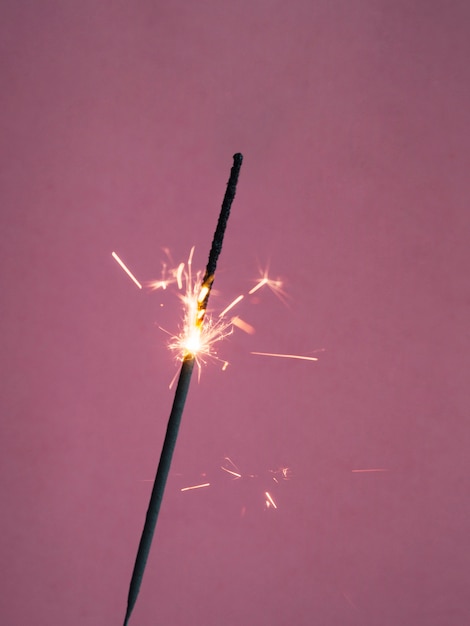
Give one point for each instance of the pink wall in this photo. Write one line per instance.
(119, 122)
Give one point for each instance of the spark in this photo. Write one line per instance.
(198, 335)
(376, 469)
(286, 473)
(230, 462)
(181, 393)
(278, 475)
(179, 273)
(231, 305)
(287, 356)
(269, 500)
(158, 284)
(274, 285)
(258, 285)
(236, 474)
(195, 338)
(168, 277)
(126, 269)
(196, 487)
(242, 325)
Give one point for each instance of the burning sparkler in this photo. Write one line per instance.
(195, 343)
(200, 339)
(191, 346)
(196, 338)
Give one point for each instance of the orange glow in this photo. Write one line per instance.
(274, 285)
(179, 274)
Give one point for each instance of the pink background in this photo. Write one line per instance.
(119, 122)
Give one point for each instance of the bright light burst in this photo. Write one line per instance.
(200, 332)
(274, 285)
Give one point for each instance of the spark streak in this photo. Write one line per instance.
(278, 475)
(179, 273)
(231, 305)
(287, 356)
(196, 487)
(363, 471)
(284, 473)
(235, 474)
(269, 500)
(242, 325)
(126, 269)
(274, 285)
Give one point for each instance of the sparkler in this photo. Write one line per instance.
(191, 346)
